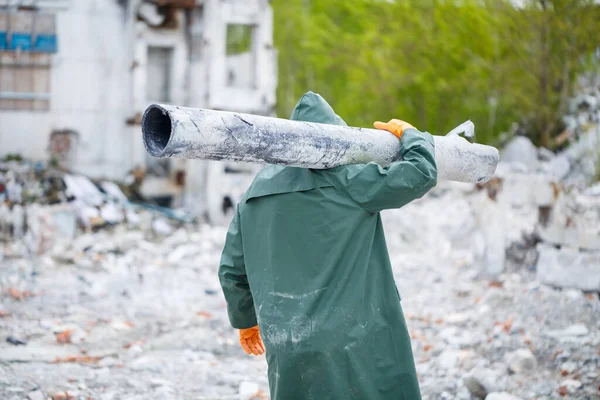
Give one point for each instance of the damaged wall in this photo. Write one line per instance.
(88, 76)
(117, 57)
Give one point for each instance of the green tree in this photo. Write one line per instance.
(436, 63)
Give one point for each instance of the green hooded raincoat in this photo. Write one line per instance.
(306, 259)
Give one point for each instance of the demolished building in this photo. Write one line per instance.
(76, 76)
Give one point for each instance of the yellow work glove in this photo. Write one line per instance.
(395, 126)
(251, 341)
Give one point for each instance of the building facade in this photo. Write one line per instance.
(77, 75)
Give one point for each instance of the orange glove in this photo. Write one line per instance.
(395, 126)
(251, 341)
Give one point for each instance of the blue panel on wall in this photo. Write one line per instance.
(3, 41)
(46, 44)
(20, 41)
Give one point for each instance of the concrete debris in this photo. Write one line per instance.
(491, 219)
(14, 341)
(161, 227)
(520, 189)
(44, 208)
(82, 189)
(544, 154)
(501, 396)
(593, 190)
(113, 191)
(568, 367)
(521, 150)
(573, 222)
(521, 361)
(556, 201)
(558, 167)
(571, 384)
(148, 309)
(475, 387)
(573, 331)
(448, 359)
(568, 268)
(249, 390)
(481, 381)
(36, 395)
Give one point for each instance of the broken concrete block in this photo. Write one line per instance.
(586, 239)
(18, 221)
(36, 395)
(573, 222)
(114, 192)
(568, 268)
(544, 154)
(475, 387)
(65, 222)
(521, 361)
(111, 213)
(491, 219)
(248, 390)
(501, 396)
(125, 241)
(593, 190)
(521, 150)
(83, 189)
(481, 381)
(520, 189)
(573, 331)
(559, 166)
(448, 359)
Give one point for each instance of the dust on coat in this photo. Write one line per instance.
(306, 258)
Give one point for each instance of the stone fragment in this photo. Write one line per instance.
(15, 342)
(521, 361)
(573, 331)
(35, 395)
(501, 396)
(248, 390)
(568, 268)
(448, 359)
(559, 166)
(521, 150)
(476, 388)
(569, 367)
(544, 154)
(572, 384)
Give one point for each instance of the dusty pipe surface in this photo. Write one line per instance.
(171, 131)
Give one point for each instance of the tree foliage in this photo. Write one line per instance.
(436, 63)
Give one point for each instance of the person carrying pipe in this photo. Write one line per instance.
(307, 277)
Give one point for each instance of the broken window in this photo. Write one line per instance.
(158, 86)
(158, 82)
(241, 56)
(27, 40)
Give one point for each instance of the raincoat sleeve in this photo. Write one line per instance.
(234, 282)
(376, 188)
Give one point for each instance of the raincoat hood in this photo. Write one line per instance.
(276, 179)
(312, 107)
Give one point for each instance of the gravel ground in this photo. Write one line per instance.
(115, 315)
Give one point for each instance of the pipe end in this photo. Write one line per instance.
(156, 130)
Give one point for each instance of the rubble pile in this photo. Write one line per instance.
(42, 207)
(120, 313)
(479, 333)
(562, 191)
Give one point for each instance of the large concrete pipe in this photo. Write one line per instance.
(171, 131)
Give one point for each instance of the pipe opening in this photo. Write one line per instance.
(156, 129)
